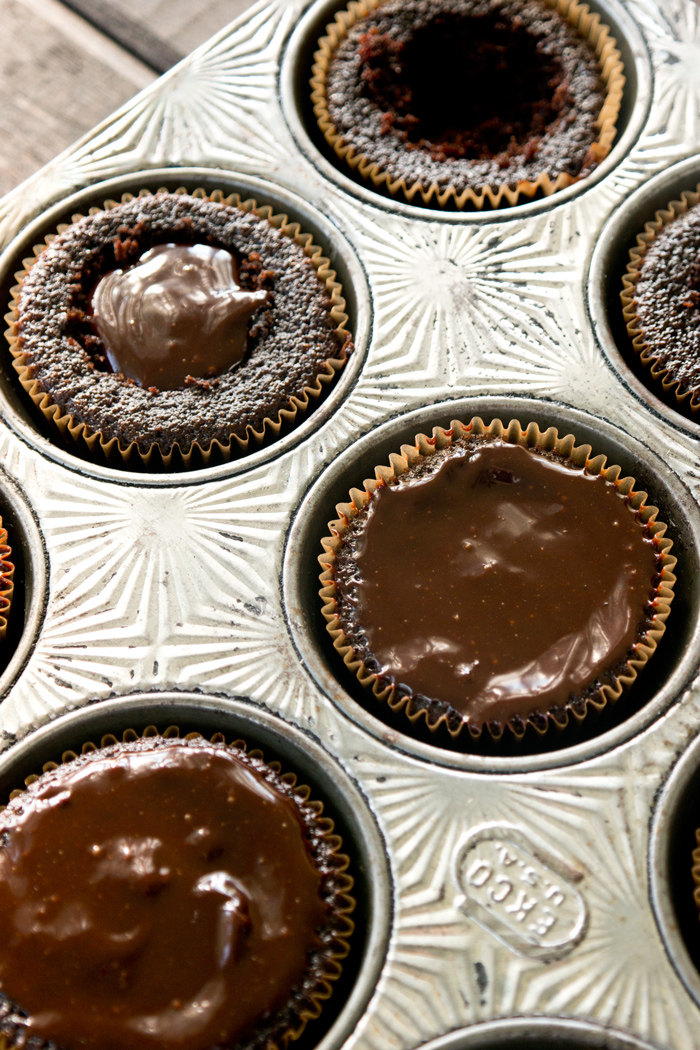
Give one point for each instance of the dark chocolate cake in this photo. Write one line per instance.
(124, 270)
(493, 585)
(457, 95)
(170, 893)
(663, 307)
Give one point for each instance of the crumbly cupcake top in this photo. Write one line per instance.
(467, 93)
(667, 301)
(490, 582)
(270, 296)
(165, 893)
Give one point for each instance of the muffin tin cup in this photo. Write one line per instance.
(540, 1033)
(130, 717)
(28, 581)
(608, 274)
(337, 256)
(403, 703)
(298, 112)
(380, 176)
(94, 443)
(333, 864)
(664, 678)
(671, 860)
(669, 387)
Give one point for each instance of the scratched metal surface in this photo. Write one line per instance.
(521, 886)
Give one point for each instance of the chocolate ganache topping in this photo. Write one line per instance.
(496, 580)
(155, 897)
(178, 312)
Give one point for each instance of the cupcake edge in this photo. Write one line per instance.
(548, 441)
(7, 585)
(94, 442)
(578, 15)
(685, 399)
(332, 866)
(696, 871)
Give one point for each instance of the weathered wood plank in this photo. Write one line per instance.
(159, 32)
(58, 77)
(65, 66)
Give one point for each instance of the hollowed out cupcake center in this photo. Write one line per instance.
(468, 87)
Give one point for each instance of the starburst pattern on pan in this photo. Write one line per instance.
(473, 309)
(160, 586)
(443, 971)
(594, 823)
(672, 30)
(620, 973)
(211, 105)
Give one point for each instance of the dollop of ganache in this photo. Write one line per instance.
(293, 341)
(179, 312)
(496, 581)
(155, 897)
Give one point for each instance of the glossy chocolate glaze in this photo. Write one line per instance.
(178, 312)
(159, 897)
(496, 580)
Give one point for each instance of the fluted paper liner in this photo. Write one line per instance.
(94, 441)
(686, 398)
(7, 575)
(578, 15)
(577, 456)
(696, 870)
(333, 865)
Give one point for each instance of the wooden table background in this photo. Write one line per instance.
(67, 64)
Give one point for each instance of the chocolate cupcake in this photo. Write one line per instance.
(494, 578)
(171, 893)
(468, 102)
(661, 302)
(7, 576)
(173, 327)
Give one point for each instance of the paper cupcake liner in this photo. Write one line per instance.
(578, 15)
(671, 388)
(326, 846)
(696, 871)
(577, 456)
(7, 575)
(75, 432)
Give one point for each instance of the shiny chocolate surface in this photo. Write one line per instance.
(501, 583)
(163, 896)
(179, 312)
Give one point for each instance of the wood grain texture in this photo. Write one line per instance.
(58, 78)
(62, 73)
(160, 32)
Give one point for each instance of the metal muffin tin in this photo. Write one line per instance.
(506, 899)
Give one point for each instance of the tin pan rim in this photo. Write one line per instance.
(521, 1032)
